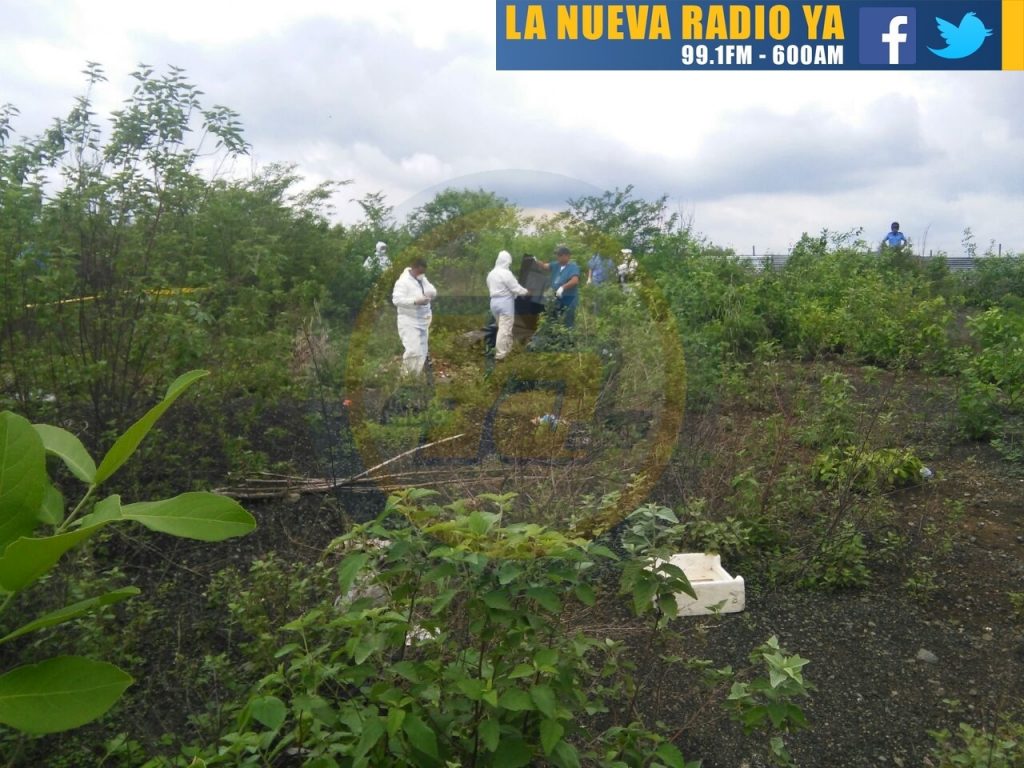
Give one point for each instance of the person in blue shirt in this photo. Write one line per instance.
(895, 238)
(565, 280)
(597, 269)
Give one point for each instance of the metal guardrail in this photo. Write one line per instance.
(955, 263)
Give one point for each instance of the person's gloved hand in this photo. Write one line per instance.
(560, 291)
(421, 300)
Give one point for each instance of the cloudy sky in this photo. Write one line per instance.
(402, 96)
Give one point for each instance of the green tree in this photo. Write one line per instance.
(633, 222)
(91, 251)
(117, 244)
(451, 205)
(457, 225)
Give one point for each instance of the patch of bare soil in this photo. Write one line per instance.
(889, 663)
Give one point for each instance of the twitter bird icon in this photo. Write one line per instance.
(961, 41)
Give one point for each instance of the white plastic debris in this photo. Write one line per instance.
(717, 591)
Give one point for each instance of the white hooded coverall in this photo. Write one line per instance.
(503, 287)
(413, 318)
(379, 261)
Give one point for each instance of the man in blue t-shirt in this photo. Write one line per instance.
(895, 238)
(597, 269)
(565, 280)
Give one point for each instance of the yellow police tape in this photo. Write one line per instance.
(82, 299)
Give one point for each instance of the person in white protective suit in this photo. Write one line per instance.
(627, 269)
(379, 261)
(503, 288)
(412, 296)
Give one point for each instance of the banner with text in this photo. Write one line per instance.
(856, 35)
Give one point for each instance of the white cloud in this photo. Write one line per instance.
(401, 96)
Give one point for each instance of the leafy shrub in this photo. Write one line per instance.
(922, 582)
(268, 595)
(1010, 445)
(1000, 361)
(113, 247)
(978, 413)
(992, 380)
(65, 692)
(867, 470)
(655, 529)
(768, 703)
(1003, 747)
(728, 537)
(840, 562)
(992, 280)
(445, 653)
(651, 528)
(833, 296)
(833, 421)
(994, 377)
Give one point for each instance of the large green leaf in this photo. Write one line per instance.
(196, 515)
(104, 512)
(544, 699)
(516, 700)
(70, 450)
(512, 753)
(51, 511)
(26, 559)
(420, 735)
(59, 694)
(72, 611)
(125, 445)
(490, 733)
(671, 756)
(23, 477)
(269, 710)
(565, 755)
(349, 569)
(551, 732)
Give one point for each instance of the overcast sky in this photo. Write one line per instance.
(402, 96)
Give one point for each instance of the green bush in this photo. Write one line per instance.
(441, 653)
(970, 747)
(833, 419)
(867, 470)
(66, 692)
(993, 280)
(1000, 336)
(978, 413)
(768, 703)
(839, 562)
(992, 380)
(730, 537)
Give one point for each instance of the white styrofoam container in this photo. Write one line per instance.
(711, 582)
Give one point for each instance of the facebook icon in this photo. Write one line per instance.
(888, 36)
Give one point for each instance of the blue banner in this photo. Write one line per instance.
(858, 35)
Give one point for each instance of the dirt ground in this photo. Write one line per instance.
(887, 665)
